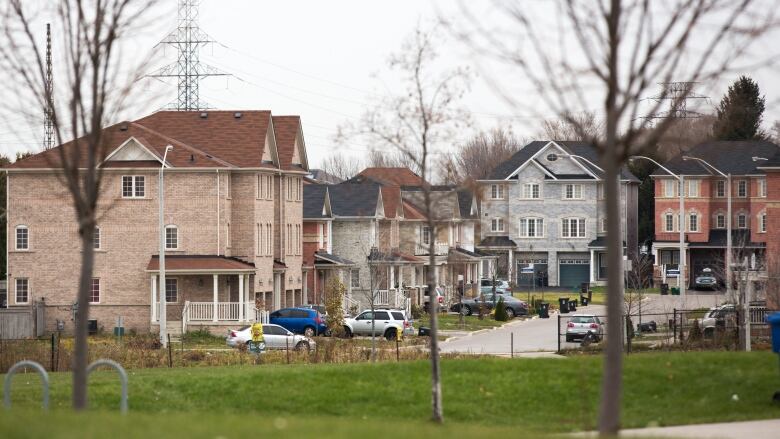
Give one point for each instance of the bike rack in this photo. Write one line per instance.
(122, 378)
(22, 364)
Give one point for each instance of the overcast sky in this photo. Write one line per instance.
(325, 61)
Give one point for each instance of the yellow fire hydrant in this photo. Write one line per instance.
(258, 341)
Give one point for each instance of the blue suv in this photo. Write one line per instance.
(308, 322)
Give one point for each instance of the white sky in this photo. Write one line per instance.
(323, 60)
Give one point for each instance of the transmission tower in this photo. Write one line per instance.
(48, 106)
(188, 38)
(678, 94)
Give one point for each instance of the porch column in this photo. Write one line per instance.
(349, 283)
(216, 297)
(277, 291)
(391, 284)
(414, 275)
(305, 288)
(592, 265)
(154, 298)
(510, 269)
(241, 300)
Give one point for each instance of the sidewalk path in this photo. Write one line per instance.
(725, 430)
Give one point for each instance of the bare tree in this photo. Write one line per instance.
(378, 158)
(418, 124)
(613, 52)
(572, 126)
(94, 89)
(341, 166)
(475, 159)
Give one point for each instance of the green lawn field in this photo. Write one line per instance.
(482, 396)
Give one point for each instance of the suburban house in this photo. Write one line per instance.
(543, 214)
(233, 223)
(705, 208)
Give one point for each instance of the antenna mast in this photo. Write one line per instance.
(48, 106)
(188, 38)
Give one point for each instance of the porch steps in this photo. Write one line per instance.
(174, 330)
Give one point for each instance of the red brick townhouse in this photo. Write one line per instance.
(233, 223)
(705, 210)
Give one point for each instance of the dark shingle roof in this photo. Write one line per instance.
(508, 166)
(739, 238)
(497, 241)
(465, 199)
(351, 199)
(329, 258)
(729, 156)
(314, 200)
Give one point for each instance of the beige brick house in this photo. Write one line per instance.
(233, 218)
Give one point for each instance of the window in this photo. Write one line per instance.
(355, 278)
(227, 235)
(259, 244)
(425, 234)
(720, 188)
(320, 235)
(171, 237)
(293, 189)
(670, 188)
(497, 191)
(669, 222)
(742, 221)
(670, 257)
(600, 188)
(531, 227)
(693, 188)
(572, 192)
(693, 222)
(22, 238)
(96, 238)
(171, 290)
(573, 227)
(22, 290)
(133, 186)
(762, 187)
(497, 225)
(762, 222)
(381, 315)
(228, 192)
(720, 221)
(603, 225)
(265, 184)
(94, 291)
(742, 188)
(269, 232)
(531, 191)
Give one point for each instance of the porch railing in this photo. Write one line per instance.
(201, 311)
(227, 310)
(439, 248)
(383, 297)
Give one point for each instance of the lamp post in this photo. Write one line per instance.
(729, 281)
(162, 292)
(681, 221)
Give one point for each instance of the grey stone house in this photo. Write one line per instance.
(543, 214)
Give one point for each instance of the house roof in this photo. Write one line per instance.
(378, 256)
(389, 176)
(314, 197)
(354, 200)
(321, 176)
(460, 252)
(391, 198)
(184, 263)
(601, 242)
(504, 169)
(321, 257)
(465, 201)
(444, 203)
(740, 238)
(220, 139)
(497, 241)
(733, 157)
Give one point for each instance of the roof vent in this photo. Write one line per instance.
(204, 115)
(123, 127)
(237, 115)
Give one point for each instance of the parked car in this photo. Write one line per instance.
(319, 308)
(514, 307)
(387, 323)
(705, 280)
(716, 316)
(275, 337)
(502, 286)
(308, 322)
(580, 325)
(438, 293)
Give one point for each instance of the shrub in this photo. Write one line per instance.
(500, 312)
(695, 333)
(417, 312)
(334, 306)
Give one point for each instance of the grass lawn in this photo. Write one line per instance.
(451, 322)
(485, 396)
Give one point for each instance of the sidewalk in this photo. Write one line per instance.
(725, 430)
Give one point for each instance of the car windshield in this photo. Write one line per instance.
(582, 319)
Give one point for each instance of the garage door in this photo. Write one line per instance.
(527, 277)
(574, 272)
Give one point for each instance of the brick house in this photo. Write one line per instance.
(705, 207)
(543, 214)
(233, 222)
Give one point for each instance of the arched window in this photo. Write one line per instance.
(22, 238)
(171, 237)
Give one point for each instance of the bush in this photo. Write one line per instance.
(501, 314)
(417, 312)
(695, 333)
(334, 306)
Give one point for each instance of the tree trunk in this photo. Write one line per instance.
(438, 412)
(81, 351)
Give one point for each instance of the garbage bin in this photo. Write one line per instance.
(573, 305)
(584, 301)
(544, 310)
(774, 324)
(424, 332)
(563, 303)
(584, 287)
(675, 291)
(590, 296)
(664, 289)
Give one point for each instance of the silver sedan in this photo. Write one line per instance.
(275, 337)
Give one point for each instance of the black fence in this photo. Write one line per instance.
(679, 329)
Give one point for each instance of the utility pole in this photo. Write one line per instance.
(188, 38)
(48, 106)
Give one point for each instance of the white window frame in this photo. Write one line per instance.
(176, 232)
(667, 217)
(693, 219)
(27, 290)
(134, 186)
(425, 234)
(601, 191)
(497, 224)
(531, 191)
(260, 238)
(97, 240)
(762, 187)
(26, 230)
(92, 290)
(525, 227)
(354, 277)
(567, 231)
(718, 218)
(720, 189)
(576, 191)
(603, 225)
(671, 188)
(175, 282)
(742, 218)
(742, 184)
(496, 191)
(762, 222)
(694, 188)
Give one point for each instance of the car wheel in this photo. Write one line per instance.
(302, 346)
(569, 339)
(391, 334)
(510, 312)
(309, 331)
(347, 332)
(466, 310)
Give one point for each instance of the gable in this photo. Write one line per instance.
(132, 150)
(296, 157)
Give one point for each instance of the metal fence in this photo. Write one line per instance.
(679, 329)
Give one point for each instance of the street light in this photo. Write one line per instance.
(728, 220)
(681, 222)
(162, 295)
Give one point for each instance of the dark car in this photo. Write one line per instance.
(306, 321)
(705, 280)
(514, 307)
